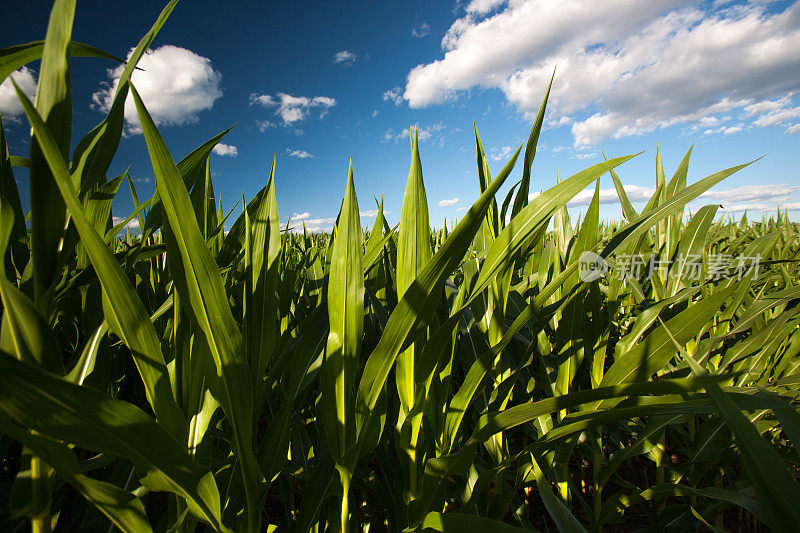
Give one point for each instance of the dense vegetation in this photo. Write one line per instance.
(472, 379)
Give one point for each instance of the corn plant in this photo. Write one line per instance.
(402, 378)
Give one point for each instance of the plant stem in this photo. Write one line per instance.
(597, 489)
(39, 477)
(345, 476)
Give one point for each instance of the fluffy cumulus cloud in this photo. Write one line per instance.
(448, 202)
(10, 107)
(299, 154)
(345, 56)
(175, 84)
(226, 149)
(293, 109)
(625, 67)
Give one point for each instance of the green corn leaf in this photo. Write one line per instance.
(689, 247)
(376, 236)
(413, 253)
(15, 57)
(511, 239)
(417, 304)
(627, 208)
(54, 105)
(25, 333)
(561, 515)
(464, 523)
(521, 200)
(571, 328)
(778, 492)
(98, 212)
(19, 161)
(491, 224)
(653, 352)
(94, 421)
(123, 309)
(492, 423)
(94, 153)
(15, 259)
(121, 507)
(639, 226)
(114, 231)
(261, 319)
(346, 320)
(191, 169)
(612, 509)
(199, 284)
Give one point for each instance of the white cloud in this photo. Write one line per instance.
(755, 198)
(625, 67)
(10, 107)
(724, 130)
(175, 85)
(423, 133)
(766, 106)
(293, 109)
(345, 56)
(635, 193)
(264, 125)
(313, 225)
(393, 95)
(316, 225)
(421, 31)
(500, 153)
(132, 225)
(793, 129)
(372, 213)
(760, 207)
(448, 202)
(777, 116)
(300, 154)
(226, 149)
(754, 193)
(483, 6)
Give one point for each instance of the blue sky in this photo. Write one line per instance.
(318, 83)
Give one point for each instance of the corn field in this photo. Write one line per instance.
(472, 378)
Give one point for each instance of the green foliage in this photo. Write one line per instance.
(461, 379)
